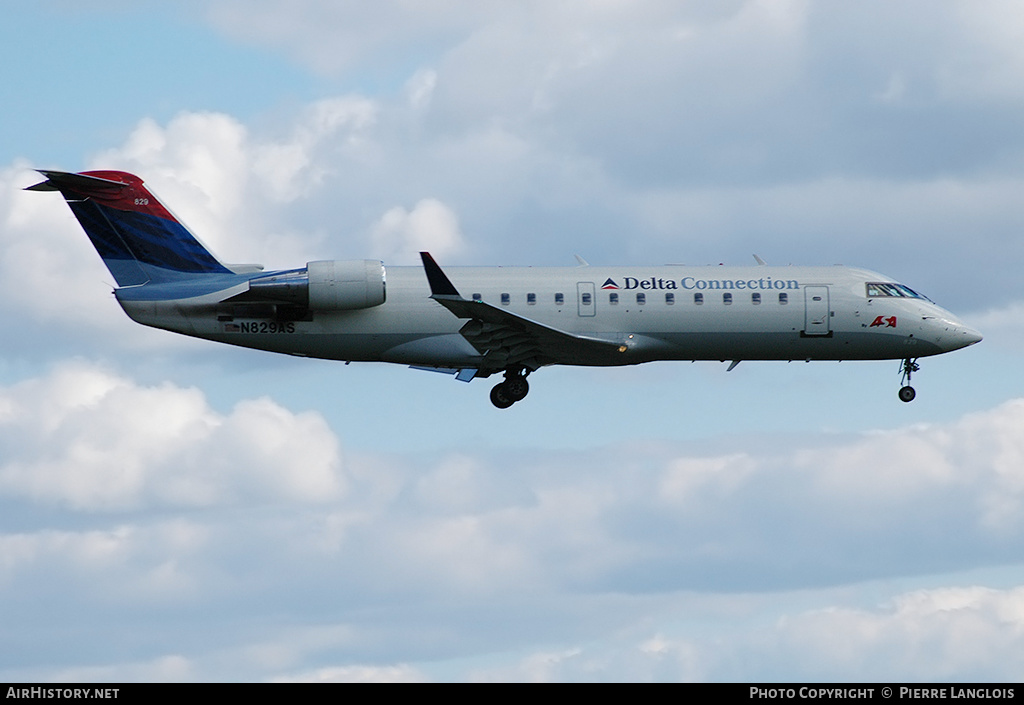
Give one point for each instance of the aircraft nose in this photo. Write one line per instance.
(969, 336)
(950, 333)
(960, 335)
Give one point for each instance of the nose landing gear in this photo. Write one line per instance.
(513, 389)
(909, 366)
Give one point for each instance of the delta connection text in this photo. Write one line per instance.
(888, 692)
(648, 283)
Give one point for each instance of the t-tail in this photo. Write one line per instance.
(138, 239)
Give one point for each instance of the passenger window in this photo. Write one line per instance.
(783, 298)
(531, 299)
(698, 298)
(559, 299)
(670, 298)
(478, 297)
(613, 298)
(755, 299)
(586, 299)
(727, 298)
(505, 299)
(641, 299)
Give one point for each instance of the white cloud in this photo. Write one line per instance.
(159, 563)
(968, 633)
(48, 267)
(1003, 325)
(88, 439)
(172, 668)
(950, 634)
(231, 184)
(620, 543)
(420, 88)
(686, 479)
(978, 462)
(989, 56)
(293, 168)
(207, 149)
(430, 226)
(337, 36)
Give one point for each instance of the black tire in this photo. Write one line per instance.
(516, 388)
(500, 398)
(907, 394)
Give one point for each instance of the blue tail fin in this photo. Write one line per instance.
(138, 239)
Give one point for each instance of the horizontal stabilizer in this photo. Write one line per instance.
(245, 268)
(58, 180)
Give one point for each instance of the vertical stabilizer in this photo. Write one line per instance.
(138, 239)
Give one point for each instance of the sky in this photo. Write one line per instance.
(175, 510)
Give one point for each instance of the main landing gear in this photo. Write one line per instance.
(513, 389)
(909, 367)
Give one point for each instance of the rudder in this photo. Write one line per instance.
(138, 239)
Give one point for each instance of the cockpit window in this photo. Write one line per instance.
(877, 290)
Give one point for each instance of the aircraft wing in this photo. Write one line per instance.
(509, 340)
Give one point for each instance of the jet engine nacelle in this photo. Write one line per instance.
(327, 285)
(343, 285)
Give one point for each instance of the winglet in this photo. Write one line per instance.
(440, 284)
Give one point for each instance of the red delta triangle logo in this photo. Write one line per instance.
(609, 283)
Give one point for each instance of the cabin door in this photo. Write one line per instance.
(817, 315)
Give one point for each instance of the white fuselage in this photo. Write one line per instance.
(656, 313)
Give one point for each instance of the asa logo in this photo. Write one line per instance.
(889, 322)
(609, 283)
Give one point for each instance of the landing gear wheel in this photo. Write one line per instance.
(908, 367)
(516, 387)
(500, 397)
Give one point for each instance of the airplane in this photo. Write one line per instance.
(515, 319)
